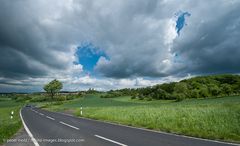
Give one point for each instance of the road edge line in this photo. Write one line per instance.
(28, 131)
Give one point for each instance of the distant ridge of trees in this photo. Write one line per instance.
(196, 87)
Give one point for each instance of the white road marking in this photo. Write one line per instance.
(34, 110)
(50, 118)
(110, 140)
(41, 114)
(28, 131)
(69, 125)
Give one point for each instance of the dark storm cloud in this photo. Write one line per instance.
(19, 41)
(212, 46)
(37, 39)
(29, 46)
(208, 44)
(14, 64)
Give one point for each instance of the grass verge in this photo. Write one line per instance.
(8, 126)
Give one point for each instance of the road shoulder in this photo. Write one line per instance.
(21, 138)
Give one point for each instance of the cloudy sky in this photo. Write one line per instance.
(109, 44)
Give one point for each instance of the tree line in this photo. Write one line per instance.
(197, 87)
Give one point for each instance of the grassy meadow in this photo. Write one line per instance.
(212, 118)
(8, 126)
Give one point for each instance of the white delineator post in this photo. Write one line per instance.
(12, 114)
(81, 111)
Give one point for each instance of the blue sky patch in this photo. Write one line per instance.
(88, 56)
(181, 20)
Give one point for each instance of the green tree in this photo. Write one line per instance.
(162, 94)
(214, 89)
(226, 89)
(181, 88)
(179, 96)
(194, 93)
(53, 87)
(203, 92)
(181, 91)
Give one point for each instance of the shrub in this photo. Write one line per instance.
(70, 97)
(194, 93)
(133, 97)
(203, 92)
(214, 89)
(140, 97)
(226, 89)
(179, 96)
(149, 99)
(61, 98)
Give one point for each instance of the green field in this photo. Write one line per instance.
(212, 118)
(8, 126)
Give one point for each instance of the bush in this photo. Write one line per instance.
(149, 99)
(133, 97)
(61, 98)
(226, 89)
(70, 97)
(140, 97)
(203, 92)
(109, 95)
(214, 89)
(179, 96)
(195, 93)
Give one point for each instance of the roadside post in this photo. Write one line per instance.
(81, 112)
(12, 114)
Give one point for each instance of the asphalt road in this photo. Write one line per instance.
(50, 128)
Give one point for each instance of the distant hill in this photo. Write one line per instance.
(196, 87)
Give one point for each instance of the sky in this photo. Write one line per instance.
(112, 44)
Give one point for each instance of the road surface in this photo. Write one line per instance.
(51, 128)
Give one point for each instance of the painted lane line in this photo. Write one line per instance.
(69, 125)
(28, 131)
(104, 138)
(50, 118)
(34, 110)
(41, 114)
